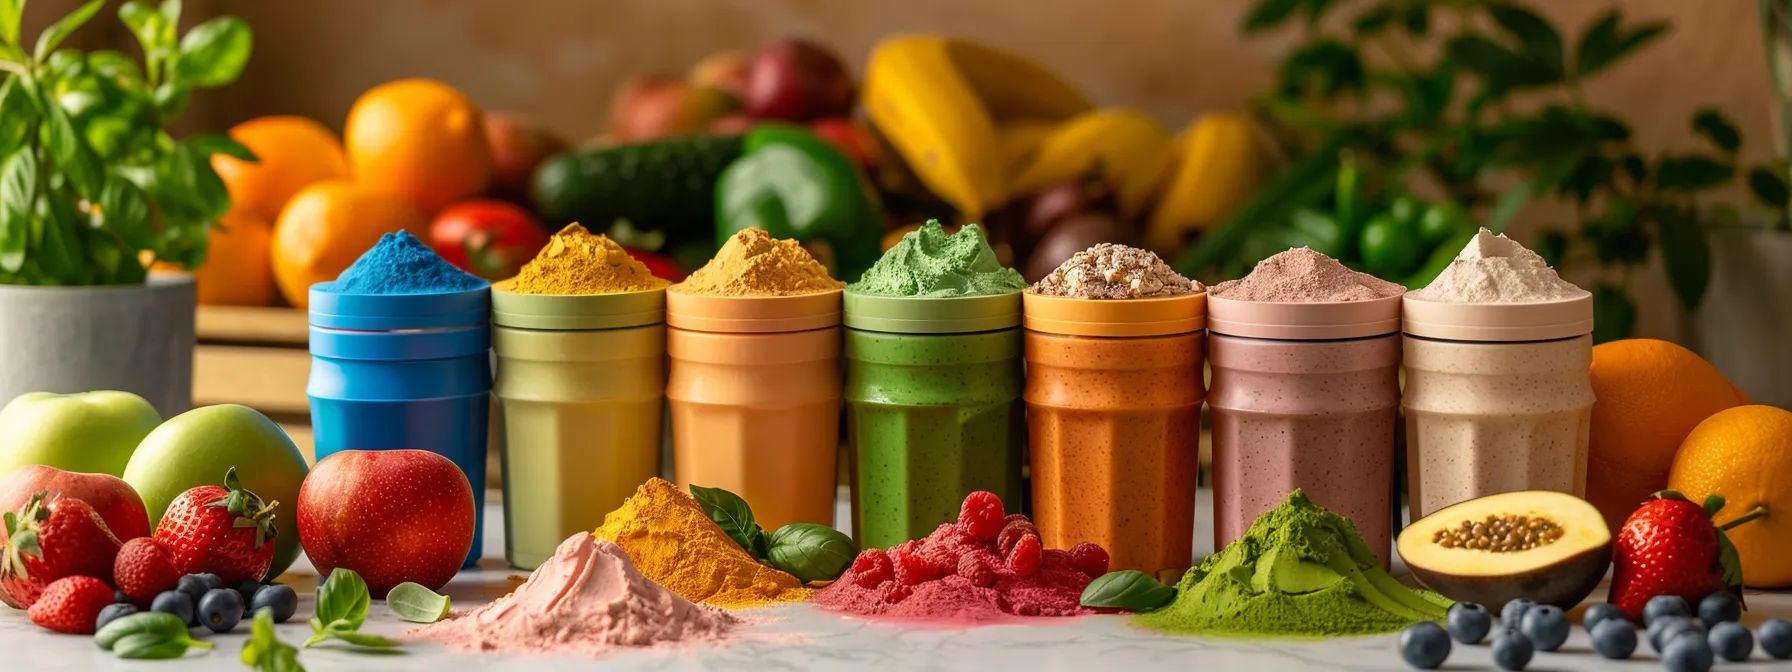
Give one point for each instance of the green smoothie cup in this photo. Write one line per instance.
(934, 411)
(581, 381)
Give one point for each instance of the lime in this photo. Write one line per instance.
(1389, 247)
(1406, 210)
(1442, 222)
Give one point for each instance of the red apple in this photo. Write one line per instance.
(848, 138)
(518, 145)
(725, 70)
(657, 107)
(391, 515)
(733, 124)
(112, 498)
(797, 80)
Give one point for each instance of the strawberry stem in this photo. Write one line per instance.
(1751, 516)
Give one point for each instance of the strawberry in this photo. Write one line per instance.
(71, 605)
(1669, 546)
(49, 539)
(143, 570)
(223, 530)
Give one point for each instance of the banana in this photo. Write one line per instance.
(1019, 141)
(1131, 147)
(938, 101)
(1219, 160)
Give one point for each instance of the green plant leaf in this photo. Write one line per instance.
(811, 552)
(207, 144)
(213, 53)
(264, 651)
(732, 514)
(1552, 245)
(1614, 316)
(1508, 205)
(1129, 589)
(1686, 254)
(125, 210)
(1417, 19)
(11, 11)
(1768, 187)
(62, 249)
(70, 152)
(172, 97)
(18, 114)
(1542, 44)
(341, 597)
(1267, 14)
(1692, 173)
(1635, 167)
(53, 36)
(349, 632)
(1501, 67)
(1326, 67)
(147, 635)
(1605, 42)
(1374, 20)
(415, 603)
(116, 65)
(1711, 123)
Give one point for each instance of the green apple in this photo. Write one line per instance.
(91, 432)
(197, 447)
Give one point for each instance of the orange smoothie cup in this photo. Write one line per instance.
(755, 394)
(1113, 397)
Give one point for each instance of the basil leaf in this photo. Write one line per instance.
(417, 604)
(53, 36)
(207, 144)
(164, 626)
(213, 53)
(148, 646)
(811, 552)
(342, 597)
(1129, 589)
(11, 11)
(18, 114)
(264, 651)
(732, 514)
(343, 631)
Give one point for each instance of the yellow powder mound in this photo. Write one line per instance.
(752, 263)
(672, 541)
(577, 261)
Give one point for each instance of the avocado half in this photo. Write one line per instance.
(1561, 573)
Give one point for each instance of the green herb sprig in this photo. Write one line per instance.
(148, 636)
(416, 603)
(1128, 589)
(808, 551)
(264, 651)
(342, 602)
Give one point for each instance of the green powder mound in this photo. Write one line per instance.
(930, 262)
(1300, 571)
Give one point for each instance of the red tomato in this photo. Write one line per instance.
(490, 239)
(662, 267)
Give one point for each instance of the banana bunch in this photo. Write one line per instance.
(1218, 162)
(1130, 148)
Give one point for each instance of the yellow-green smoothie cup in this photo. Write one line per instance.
(581, 381)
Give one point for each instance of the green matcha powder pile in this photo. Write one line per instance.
(1300, 571)
(931, 263)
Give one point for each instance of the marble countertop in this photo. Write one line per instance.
(800, 636)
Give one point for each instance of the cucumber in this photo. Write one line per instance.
(659, 185)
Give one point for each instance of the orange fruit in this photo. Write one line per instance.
(291, 153)
(1745, 454)
(328, 225)
(420, 139)
(1649, 395)
(237, 270)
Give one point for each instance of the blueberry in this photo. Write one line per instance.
(118, 596)
(1776, 638)
(1687, 652)
(1424, 645)
(279, 597)
(113, 612)
(1719, 607)
(1665, 605)
(174, 602)
(1512, 650)
(248, 589)
(1546, 626)
(220, 609)
(1600, 612)
(1730, 641)
(1614, 638)
(1513, 613)
(1468, 622)
(1673, 627)
(195, 586)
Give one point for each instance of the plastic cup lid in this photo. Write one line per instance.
(932, 315)
(1499, 322)
(570, 312)
(752, 314)
(1071, 316)
(1304, 321)
(386, 312)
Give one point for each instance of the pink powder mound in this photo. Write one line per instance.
(1054, 590)
(1301, 275)
(586, 600)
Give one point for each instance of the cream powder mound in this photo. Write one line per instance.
(1301, 275)
(587, 600)
(1496, 269)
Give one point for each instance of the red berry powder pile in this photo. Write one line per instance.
(985, 566)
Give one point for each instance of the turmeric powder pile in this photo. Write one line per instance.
(752, 263)
(672, 541)
(577, 261)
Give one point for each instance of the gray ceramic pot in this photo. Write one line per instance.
(136, 338)
(1743, 323)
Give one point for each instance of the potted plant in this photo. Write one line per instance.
(94, 190)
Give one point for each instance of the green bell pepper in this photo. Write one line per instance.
(793, 184)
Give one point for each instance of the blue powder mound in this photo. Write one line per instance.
(401, 264)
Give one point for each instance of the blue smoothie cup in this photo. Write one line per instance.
(397, 371)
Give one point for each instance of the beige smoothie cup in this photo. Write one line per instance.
(580, 383)
(755, 393)
(1113, 399)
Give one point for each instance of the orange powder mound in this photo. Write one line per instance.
(752, 263)
(672, 542)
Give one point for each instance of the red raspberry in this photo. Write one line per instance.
(981, 515)
(71, 604)
(912, 567)
(1027, 554)
(1018, 526)
(872, 567)
(894, 592)
(976, 571)
(1089, 558)
(143, 570)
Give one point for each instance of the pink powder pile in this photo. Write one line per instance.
(586, 600)
(1301, 275)
(969, 571)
